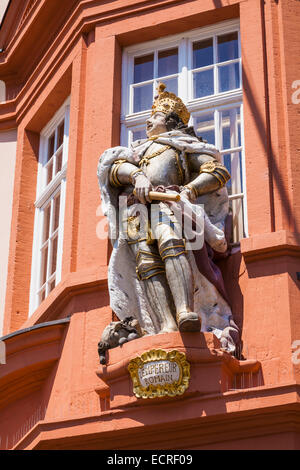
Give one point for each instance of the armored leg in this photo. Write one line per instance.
(180, 280)
(151, 270)
(178, 271)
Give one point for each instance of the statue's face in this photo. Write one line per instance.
(156, 124)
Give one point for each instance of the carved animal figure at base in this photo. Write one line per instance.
(116, 334)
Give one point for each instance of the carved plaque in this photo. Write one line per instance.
(159, 373)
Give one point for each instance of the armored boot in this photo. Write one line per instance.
(180, 280)
(160, 299)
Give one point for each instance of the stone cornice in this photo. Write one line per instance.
(257, 414)
(270, 245)
(30, 354)
(73, 284)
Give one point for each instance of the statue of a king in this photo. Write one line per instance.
(156, 274)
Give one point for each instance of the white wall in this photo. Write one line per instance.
(2, 90)
(8, 147)
(3, 5)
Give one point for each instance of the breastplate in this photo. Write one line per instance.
(162, 166)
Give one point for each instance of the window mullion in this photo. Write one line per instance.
(235, 149)
(231, 197)
(235, 170)
(50, 246)
(243, 170)
(124, 135)
(215, 59)
(189, 69)
(240, 59)
(42, 183)
(130, 82)
(41, 229)
(183, 59)
(232, 127)
(131, 98)
(155, 72)
(55, 139)
(126, 70)
(218, 133)
(60, 231)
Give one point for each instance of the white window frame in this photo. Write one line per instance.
(131, 121)
(44, 194)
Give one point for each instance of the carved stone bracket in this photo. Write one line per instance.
(212, 370)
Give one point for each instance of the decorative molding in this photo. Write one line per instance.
(70, 286)
(25, 370)
(29, 7)
(170, 368)
(95, 432)
(270, 245)
(73, 28)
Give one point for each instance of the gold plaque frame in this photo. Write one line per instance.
(159, 390)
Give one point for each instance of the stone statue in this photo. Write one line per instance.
(116, 334)
(154, 275)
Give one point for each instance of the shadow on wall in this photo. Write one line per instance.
(276, 173)
(230, 268)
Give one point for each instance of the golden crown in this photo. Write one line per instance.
(167, 102)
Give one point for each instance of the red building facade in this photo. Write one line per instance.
(71, 92)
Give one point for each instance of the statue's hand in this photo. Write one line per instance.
(188, 193)
(142, 188)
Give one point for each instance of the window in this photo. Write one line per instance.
(203, 67)
(50, 202)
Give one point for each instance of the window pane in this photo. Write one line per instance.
(237, 209)
(203, 83)
(44, 265)
(42, 295)
(58, 161)
(56, 212)
(172, 85)
(53, 256)
(167, 62)
(143, 68)
(203, 53)
(50, 147)
(236, 173)
(231, 128)
(228, 47)
(233, 163)
(205, 127)
(138, 134)
(227, 163)
(60, 134)
(49, 171)
(46, 223)
(142, 98)
(51, 285)
(229, 77)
